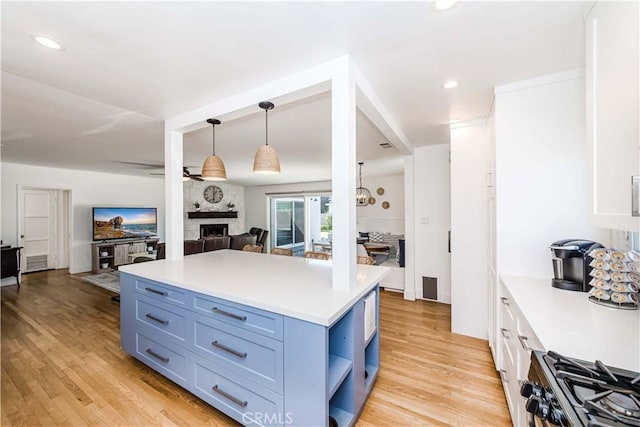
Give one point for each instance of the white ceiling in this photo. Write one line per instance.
(128, 66)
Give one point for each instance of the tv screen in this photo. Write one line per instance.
(124, 223)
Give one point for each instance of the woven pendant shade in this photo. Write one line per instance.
(266, 161)
(213, 168)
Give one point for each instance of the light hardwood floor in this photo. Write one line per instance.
(62, 365)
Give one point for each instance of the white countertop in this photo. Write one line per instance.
(567, 323)
(291, 286)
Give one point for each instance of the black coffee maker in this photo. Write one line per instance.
(571, 264)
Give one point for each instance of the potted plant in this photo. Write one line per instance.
(197, 206)
(230, 205)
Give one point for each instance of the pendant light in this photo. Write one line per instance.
(266, 161)
(213, 168)
(362, 194)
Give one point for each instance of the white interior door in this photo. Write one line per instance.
(37, 229)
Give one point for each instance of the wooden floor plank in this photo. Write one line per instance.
(62, 365)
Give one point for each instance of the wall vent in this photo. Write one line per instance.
(386, 145)
(430, 288)
(36, 262)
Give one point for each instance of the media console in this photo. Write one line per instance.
(107, 255)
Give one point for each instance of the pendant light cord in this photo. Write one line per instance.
(266, 127)
(214, 139)
(360, 164)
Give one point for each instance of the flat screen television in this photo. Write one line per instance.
(124, 223)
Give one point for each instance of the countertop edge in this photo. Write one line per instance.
(358, 293)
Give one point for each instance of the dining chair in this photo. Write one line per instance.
(317, 255)
(281, 251)
(366, 260)
(252, 248)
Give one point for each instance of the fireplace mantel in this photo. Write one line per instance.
(212, 214)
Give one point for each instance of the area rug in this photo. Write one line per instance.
(110, 280)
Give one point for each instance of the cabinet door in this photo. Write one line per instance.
(121, 255)
(613, 114)
(138, 248)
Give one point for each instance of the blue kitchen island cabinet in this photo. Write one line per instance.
(281, 360)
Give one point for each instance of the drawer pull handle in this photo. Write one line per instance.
(235, 400)
(226, 313)
(504, 332)
(152, 317)
(505, 300)
(241, 355)
(157, 356)
(503, 375)
(155, 291)
(523, 343)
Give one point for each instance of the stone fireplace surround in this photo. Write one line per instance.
(193, 192)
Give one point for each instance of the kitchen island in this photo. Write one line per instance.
(263, 338)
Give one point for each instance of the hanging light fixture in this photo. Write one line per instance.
(266, 161)
(362, 194)
(213, 168)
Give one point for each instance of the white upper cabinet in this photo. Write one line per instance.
(613, 115)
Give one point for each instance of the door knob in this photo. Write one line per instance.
(22, 236)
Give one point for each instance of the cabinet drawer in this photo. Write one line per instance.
(170, 362)
(234, 396)
(507, 307)
(245, 353)
(161, 292)
(509, 382)
(251, 319)
(163, 318)
(527, 339)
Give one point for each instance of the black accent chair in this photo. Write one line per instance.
(161, 251)
(239, 241)
(193, 247)
(215, 243)
(261, 236)
(11, 263)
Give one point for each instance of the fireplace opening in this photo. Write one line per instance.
(211, 230)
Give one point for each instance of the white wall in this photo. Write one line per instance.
(432, 218)
(193, 191)
(469, 231)
(541, 172)
(88, 189)
(374, 217)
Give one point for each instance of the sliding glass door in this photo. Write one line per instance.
(299, 221)
(287, 223)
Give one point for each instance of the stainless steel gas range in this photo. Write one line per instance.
(570, 392)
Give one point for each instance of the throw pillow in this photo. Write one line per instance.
(375, 237)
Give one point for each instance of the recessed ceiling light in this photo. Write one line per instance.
(450, 84)
(47, 42)
(444, 4)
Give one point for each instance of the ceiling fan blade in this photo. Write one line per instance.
(142, 165)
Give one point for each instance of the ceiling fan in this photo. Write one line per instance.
(186, 175)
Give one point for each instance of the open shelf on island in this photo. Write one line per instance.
(372, 373)
(343, 418)
(339, 368)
